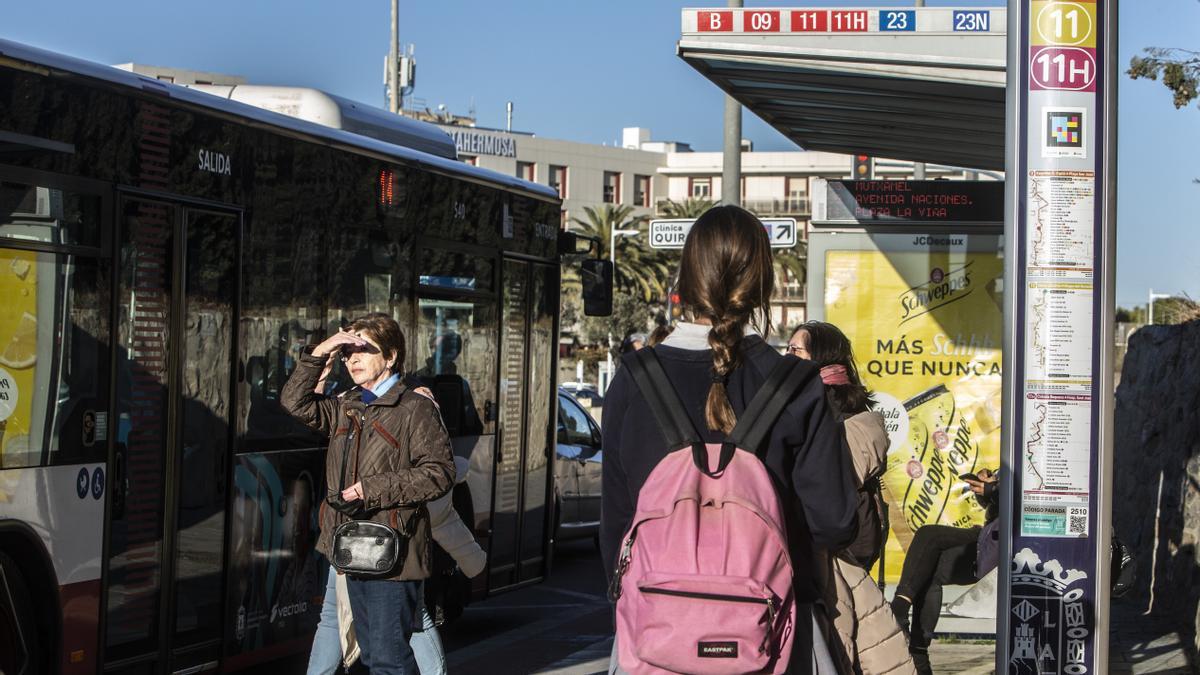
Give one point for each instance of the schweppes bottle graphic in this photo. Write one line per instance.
(922, 477)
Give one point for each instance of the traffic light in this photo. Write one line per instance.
(674, 306)
(864, 167)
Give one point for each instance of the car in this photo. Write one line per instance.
(585, 393)
(577, 471)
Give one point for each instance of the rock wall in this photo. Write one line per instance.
(1156, 509)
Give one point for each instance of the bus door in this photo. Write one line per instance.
(520, 534)
(454, 354)
(176, 287)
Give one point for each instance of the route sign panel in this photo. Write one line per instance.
(851, 21)
(972, 20)
(897, 20)
(906, 202)
(670, 233)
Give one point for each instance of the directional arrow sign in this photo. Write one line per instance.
(671, 233)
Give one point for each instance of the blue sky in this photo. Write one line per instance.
(582, 70)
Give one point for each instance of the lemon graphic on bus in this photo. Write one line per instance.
(21, 350)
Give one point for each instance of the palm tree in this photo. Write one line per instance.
(793, 260)
(691, 207)
(640, 270)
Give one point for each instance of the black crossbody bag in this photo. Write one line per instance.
(362, 547)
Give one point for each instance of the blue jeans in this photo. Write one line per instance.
(427, 646)
(384, 614)
(326, 653)
(327, 644)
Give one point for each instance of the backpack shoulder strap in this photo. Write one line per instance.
(651, 380)
(759, 417)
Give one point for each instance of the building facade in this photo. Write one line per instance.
(645, 174)
(584, 174)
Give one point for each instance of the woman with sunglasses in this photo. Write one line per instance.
(389, 454)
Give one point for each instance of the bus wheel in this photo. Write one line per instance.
(18, 623)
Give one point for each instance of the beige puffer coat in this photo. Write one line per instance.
(872, 641)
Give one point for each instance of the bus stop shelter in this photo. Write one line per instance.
(923, 84)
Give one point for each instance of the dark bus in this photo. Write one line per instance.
(164, 256)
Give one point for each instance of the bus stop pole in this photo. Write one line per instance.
(1008, 398)
(731, 168)
(1059, 284)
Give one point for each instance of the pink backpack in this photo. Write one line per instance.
(704, 581)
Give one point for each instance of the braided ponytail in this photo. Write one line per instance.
(726, 276)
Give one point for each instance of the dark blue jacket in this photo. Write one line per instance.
(806, 453)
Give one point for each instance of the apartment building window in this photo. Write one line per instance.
(700, 188)
(797, 194)
(641, 190)
(527, 171)
(558, 180)
(792, 287)
(612, 187)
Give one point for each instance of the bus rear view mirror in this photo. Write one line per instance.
(597, 287)
(573, 244)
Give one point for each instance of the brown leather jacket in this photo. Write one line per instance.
(398, 447)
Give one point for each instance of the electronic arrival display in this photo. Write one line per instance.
(881, 202)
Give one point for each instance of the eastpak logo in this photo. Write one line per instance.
(717, 650)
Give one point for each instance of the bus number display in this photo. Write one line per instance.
(1066, 24)
(972, 21)
(808, 21)
(847, 21)
(893, 20)
(1064, 68)
(714, 21)
(760, 22)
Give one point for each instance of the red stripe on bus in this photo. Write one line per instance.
(80, 626)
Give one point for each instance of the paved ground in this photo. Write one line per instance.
(562, 627)
(1139, 645)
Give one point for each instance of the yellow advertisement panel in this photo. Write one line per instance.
(18, 353)
(926, 328)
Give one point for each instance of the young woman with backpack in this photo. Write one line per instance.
(695, 560)
(871, 639)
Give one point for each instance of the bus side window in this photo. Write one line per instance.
(54, 357)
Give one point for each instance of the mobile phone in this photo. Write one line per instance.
(968, 476)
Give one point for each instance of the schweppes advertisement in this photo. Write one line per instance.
(926, 327)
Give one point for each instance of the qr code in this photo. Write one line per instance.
(1077, 521)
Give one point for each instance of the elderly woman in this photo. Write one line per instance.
(389, 455)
